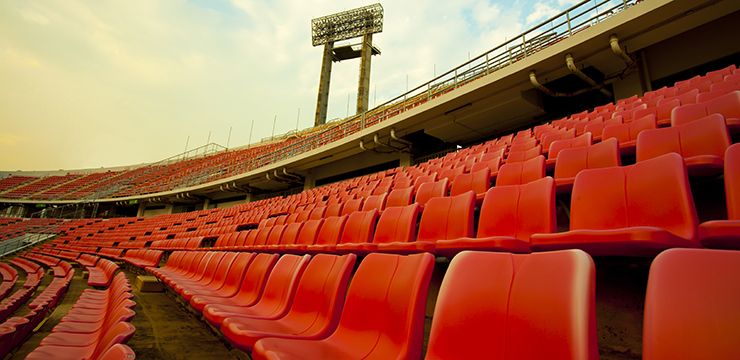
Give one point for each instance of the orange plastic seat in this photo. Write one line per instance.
(250, 287)
(522, 172)
(725, 234)
(506, 220)
(479, 182)
(431, 190)
(314, 313)
(400, 197)
(629, 211)
(118, 334)
(702, 143)
(382, 318)
(307, 236)
(375, 202)
(508, 306)
(597, 128)
(225, 280)
(522, 156)
(555, 148)
(572, 161)
(276, 298)
(691, 307)
(357, 231)
(329, 235)
(627, 133)
(444, 218)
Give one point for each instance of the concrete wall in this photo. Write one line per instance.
(359, 161)
(708, 42)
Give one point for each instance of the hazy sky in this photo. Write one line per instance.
(91, 83)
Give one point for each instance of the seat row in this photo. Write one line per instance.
(298, 307)
(96, 327)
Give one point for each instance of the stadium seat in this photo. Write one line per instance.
(444, 218)
(227, 281)
(629, 211)
(627, 133)
(597, 128)
(506, 220)
(558, 145)
(276, 298)
(382, 318)
(507, 306)
(250, 286)
(375, 202)
(691, 307)
(522, 156)
(314, 313)
(725, 234)
(702, 143)
(400, 197)
(307, 236)
(572, 161)
(522, 172)
(329, 235)
(429, 190)
(479, 182)
(358, 230)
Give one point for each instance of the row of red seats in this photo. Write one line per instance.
(96, 327)
(9, 276)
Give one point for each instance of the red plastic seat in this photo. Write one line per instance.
(507, 306)
(629, 211)
(725, 234)
(276, 298)
(375, 202)
(352, 206)
(507, 220)
(479, 182)
(627, 133)
(118, 334)
(290, 235)
(555, 148)
(444, 218)
(329, 235)
(358, 230)
(227, 280)
(522, 156)
(702, 143)
(572, 161)
(597, 128)
(314, 313)
(691, 307)
(250, 286)
(400, 197)
(204, 275)
(307, 236)
(429, 190)
(522, 172)
(382, 318)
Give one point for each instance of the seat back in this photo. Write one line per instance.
(732, 181)
(580, 141)
(290, 235)
(572, 161)
(352, 205)
(447, 218)
(479, 182)
(400, 197)
(431, 190)
(512, 315)
(236, 272)
(359, 227)
(334, 209)
(728, 105)
(706, 136)
(383, 314)
(521, 156)
(331, 230)
(397, 224)
(687, 113)
(507, 210)
(691, 305)
(309, 232)
(275, 235)
(281, 285)
(521, 173)
(652, 193)
(375, 202)
(253, 283)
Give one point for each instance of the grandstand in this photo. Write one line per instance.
(572, 193)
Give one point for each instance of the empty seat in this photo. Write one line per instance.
(444, 218)
(507, 219)
(521, 156)
(691, 307)
(725, 234)
(431, 190)
(572, 161)
(400, 197)
(597, 128)
(276, 298)
(506, 306)
(521, 172)
(629, 211)
(382, 318)
(479, 182)
(314, 313)
(702, 143)
(555, 148)
(375, 202)
(627, 133)
(307, 236)
(357, 230)
(329, 235)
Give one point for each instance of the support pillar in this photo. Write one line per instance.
(406, 160)
(142, 209)
(206, 203)
(323, 101)
(363, 89)
(308, 181)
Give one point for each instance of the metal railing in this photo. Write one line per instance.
(577, 18)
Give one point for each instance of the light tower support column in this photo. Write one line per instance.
(323, 101)
(363, 89)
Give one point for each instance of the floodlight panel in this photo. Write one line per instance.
(347, 24)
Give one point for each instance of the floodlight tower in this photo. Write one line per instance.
(361, 22)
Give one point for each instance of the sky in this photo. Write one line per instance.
(98, 83)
